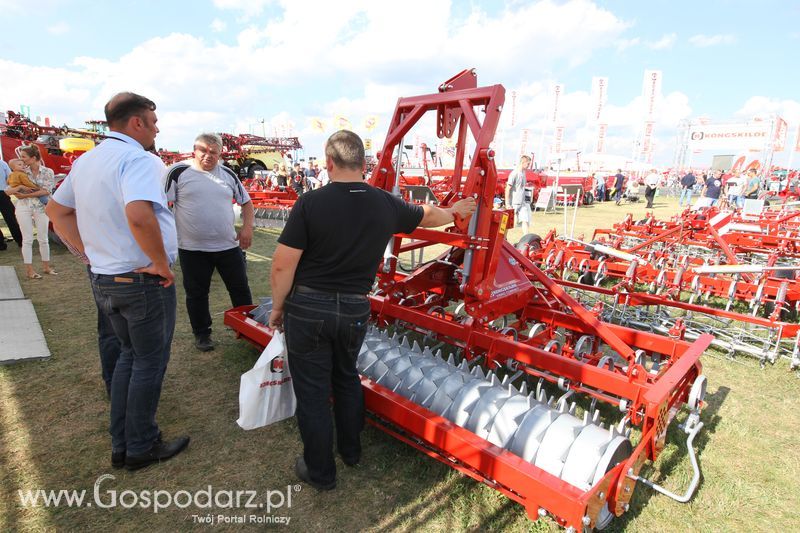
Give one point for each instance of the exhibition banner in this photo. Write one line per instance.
(746, 136)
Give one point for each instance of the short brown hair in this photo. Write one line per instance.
(31, 151)
(346, 150)
(123, 106)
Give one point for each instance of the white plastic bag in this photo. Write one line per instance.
(266, 395)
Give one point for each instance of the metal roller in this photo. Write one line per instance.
(551, 437)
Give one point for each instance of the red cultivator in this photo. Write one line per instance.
(487, 311)
(693, 273)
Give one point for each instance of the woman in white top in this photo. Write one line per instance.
(30, 210)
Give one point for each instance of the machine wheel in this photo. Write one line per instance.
(790, 313)
(253, 167)
(530, 241)
(596, 256)
(588, 198)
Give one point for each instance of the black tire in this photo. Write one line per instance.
(253, 167)
(596, 256)
(530, 241)
(588, 198)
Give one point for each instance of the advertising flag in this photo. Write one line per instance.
(601, 138)
(651, 90)
(556, 92)
(342, 123)
(797, 140)
(558, 137)
(599, 97)
(317, 125)
(523, 144)
(781, 130)
(371, 122)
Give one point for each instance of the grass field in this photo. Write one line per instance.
(54, 417)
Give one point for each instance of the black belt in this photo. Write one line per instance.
(130, 277)
(302, 289)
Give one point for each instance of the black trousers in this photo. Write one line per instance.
(197, 268)
(324, 333)
(9, 215)
(650, 195)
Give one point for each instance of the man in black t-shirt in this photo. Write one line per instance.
(687, 188)
(297, 179)
(323, 267)
(712, 188)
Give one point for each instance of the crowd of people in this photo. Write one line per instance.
(712, 188)
(152, 217)
(301, 177)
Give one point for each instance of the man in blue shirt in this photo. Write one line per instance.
(7, 209)
(112, 207)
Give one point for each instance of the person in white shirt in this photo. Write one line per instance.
(651, 182)
(112, 208)
(515, 194)
(733, 188)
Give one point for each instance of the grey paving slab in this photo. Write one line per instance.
(9, 284)
(21, 336)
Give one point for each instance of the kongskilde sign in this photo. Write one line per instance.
(749, 136)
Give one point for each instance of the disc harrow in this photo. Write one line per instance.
(478, 359)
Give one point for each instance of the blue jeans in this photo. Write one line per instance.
(324, 333)
(107, 343)
(142, 313)
(687, 195)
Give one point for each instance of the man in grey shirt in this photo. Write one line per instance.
(515, 194)
(202, 193)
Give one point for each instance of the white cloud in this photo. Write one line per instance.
(763, 107)
(624, 44)
(12, 6)
(202, 84)
(665, 42)
(59, 28)
(703, 41)
(218, 25)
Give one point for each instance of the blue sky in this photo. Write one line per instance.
(227, 64)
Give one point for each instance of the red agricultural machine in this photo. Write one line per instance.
(456, 341)
(245, 154)
(723, 271)
(59, 146)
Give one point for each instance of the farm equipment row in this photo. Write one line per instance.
(695, 273)
(480, 360)
(60, 146)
